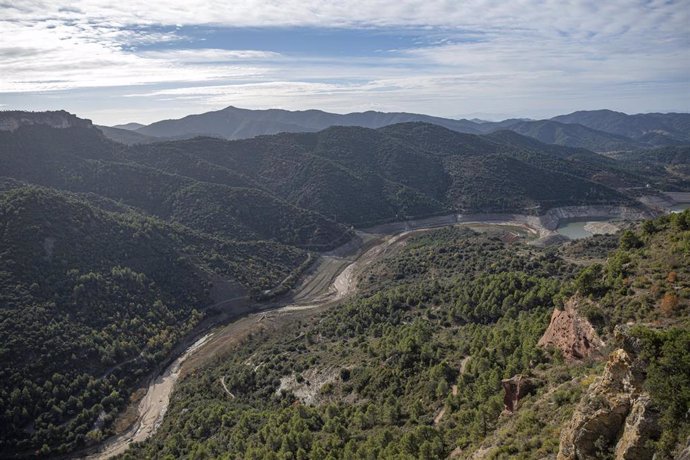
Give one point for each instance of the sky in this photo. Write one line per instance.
(123, 61)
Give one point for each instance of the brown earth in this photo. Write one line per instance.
(571, 333)
(332, 278)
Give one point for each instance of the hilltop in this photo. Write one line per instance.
(598, 130)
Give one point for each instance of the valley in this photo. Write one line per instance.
(351, 358)
(352, 230)
(332, 279)
(158, 263)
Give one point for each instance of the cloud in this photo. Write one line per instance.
(582, 16)
(488, 55)
(209, 55)
(54, 56)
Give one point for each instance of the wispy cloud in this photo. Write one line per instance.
(582, 16)
(58, 55)
(475, 55)
(209, 55)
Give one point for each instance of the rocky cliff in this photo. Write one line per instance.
(616, 416)
(571, 333)
(12, 120)
(516, 388)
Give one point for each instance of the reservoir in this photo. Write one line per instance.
(575, 228)
(680, 207)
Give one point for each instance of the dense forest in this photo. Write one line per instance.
(92, 300)
(313, 181)
(412, 366)
(112, 255)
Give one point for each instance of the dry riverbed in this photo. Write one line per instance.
(332, 278)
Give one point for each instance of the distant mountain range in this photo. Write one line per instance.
(129, 126)
(340, 175)
(598, 130)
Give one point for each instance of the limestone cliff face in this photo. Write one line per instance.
(12, 120)
(571, 333)
(639, 426)
(615, 415)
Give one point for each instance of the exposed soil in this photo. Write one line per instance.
(332, 278)
(439, 416)
(601, 228)
(222, 382)
(308, 389)
(152, 408)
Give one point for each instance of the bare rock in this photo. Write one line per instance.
(601, 228)
(571, 333)
(685, 453)
(601, 413)
(13, 120)
(640, 426)
(613, 416)
(516, 388)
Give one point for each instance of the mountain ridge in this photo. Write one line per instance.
(112, 253)
(594, 130)
(430, 168)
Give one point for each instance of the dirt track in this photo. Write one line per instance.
(332, 278)
(152, 408)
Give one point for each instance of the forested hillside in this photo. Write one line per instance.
(413, 366)
(93, 300)
(573, 135)
(350, 175)
(111, 254)
(82, 160)
(652, 128)
(598, 130)
(362, 176)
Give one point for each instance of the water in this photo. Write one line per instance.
(575, 228)
(680, 207)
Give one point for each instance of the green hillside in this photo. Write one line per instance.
(361, 176)
(93, 300)
(651, 128)
(111, 254)
(412, 366)
(573, 135)
(355, 176)
(82, 160)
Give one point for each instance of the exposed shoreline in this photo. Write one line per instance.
(332, 278)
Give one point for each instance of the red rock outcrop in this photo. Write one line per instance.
(516, 388)
(571, 333)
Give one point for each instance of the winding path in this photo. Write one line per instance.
(332, 279)
(222, 382)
